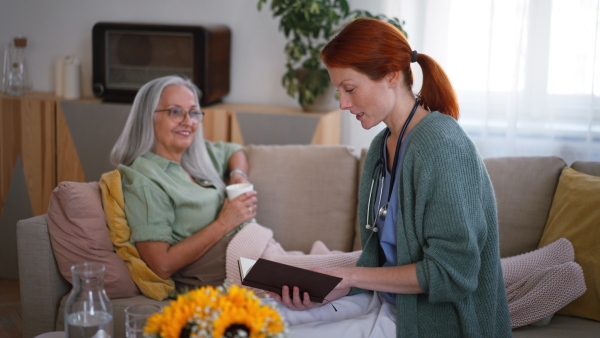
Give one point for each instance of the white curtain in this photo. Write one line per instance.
(527, 72)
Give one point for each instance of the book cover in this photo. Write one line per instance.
(272, 276)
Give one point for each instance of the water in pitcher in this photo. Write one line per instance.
(89, 325)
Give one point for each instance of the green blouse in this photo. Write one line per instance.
(163, 204)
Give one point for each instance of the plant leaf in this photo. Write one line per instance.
(308, 25)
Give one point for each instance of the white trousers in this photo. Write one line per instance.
(360, 316)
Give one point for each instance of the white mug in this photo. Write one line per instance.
(234, 190)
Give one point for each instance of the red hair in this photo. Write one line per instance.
(377, 48)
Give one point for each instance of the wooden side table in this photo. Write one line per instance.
(271, 124)
(27, 167)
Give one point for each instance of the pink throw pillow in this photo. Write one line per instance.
(78, 233)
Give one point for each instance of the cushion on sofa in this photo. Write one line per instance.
(524, 188)
(150, 284)
(587, 167)
(361, 164)
(326, 179)
(78, 234)
(575, 215)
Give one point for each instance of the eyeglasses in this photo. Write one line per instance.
(178, 114)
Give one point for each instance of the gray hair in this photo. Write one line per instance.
(137, 137)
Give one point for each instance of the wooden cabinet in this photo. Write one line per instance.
(27, 144)
(27, 167)
(270, 124)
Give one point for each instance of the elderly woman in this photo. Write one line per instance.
(173, 183)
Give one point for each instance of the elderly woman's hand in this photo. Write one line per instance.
(241, 209)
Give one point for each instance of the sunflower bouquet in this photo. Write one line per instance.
(217, 312)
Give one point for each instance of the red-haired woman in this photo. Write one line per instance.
(427, 210)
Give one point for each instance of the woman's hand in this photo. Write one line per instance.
(241, 209)
(294, 302)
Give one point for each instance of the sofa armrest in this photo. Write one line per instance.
(42, 286)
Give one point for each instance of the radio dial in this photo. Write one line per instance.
(98, 89)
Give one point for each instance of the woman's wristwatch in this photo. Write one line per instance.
(239, 171)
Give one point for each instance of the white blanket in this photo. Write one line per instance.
(538, 284)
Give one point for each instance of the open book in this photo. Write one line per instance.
(272, 276)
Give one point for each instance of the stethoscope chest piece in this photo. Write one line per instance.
(383, 212)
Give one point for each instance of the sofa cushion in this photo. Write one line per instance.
(326, 179)
(524, 188)
(149, 283)
(361, 164)
(78, 234)
(575, 215)
(587, 167)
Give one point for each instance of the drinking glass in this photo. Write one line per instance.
(135, 318)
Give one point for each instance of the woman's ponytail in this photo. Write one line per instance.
(437, 92)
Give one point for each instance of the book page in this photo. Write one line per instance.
(245, 265)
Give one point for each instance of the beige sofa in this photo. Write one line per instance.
(308, 193)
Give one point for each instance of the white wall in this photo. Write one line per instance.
(62, 27)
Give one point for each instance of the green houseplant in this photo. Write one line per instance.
(308, 25)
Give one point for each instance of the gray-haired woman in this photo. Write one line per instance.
(173, 183)
(181, 222)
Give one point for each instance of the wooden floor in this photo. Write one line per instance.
(10, 309)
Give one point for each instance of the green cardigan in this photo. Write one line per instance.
(448, 226)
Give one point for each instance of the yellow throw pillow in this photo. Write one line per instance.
(575, 215)
(150, 284)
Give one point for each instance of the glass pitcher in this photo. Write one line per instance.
(88, 311)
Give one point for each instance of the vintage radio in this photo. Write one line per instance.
(127, 55)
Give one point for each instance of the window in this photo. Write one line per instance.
(527, 72)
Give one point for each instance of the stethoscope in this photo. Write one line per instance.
(380, 164)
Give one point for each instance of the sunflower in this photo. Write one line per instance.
(217, 312)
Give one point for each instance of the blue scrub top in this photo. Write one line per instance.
(387, 226)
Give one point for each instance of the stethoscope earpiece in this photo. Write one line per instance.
(369, 227)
